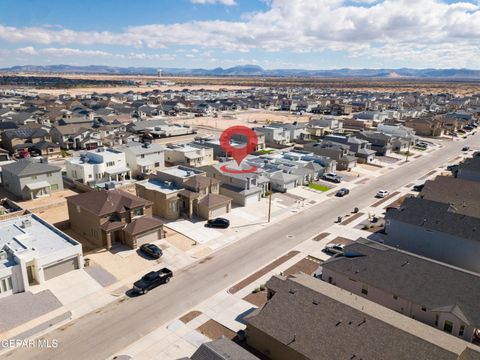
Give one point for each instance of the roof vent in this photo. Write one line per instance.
(291, 291)
(26, 223)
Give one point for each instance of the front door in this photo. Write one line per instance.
(31, 279)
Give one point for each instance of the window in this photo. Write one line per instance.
(448, 326)
(424, 308)
(172, 206)
(111, 163)
(395, 297)
(436, 320)
(462, 330)
(34, 177)
(157, 164)
(365, 289)
(137, 212)
(5, 284)
(54, 187)
(142, 156)
(49, 174)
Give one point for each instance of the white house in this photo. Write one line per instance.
(143, 158)
(396, 130)
(33, 251)
(97, 166)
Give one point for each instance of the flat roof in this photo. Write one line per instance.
(181, 171)
(30, 234)
(166, 187)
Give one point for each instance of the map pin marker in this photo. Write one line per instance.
(238, 153)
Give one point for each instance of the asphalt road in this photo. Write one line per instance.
(101, 334)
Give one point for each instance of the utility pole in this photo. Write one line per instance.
(269, 204)
(408, 150)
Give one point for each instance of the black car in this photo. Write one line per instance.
(152, 250)
(466, 148)
(418, 187)
(342, 192)
(218, 223)
(152, 280)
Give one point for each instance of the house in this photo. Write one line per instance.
(422, 289)
(32, 252)
(179, 190)
(435, 230)
(305, 318)
(398, 131)
(469, 169)
(188, 155)
(341, 153)
(379, 142)
(221, 349)
(321, 126)
(361, 148)
(76, 137)
(243, 188)
(143, 159)
(15, 140)
(111, 217)
(235, 140)
(98, 166)
(282, 134)
(462, 195)
(425, 126)
(31, 178)
(157, 128)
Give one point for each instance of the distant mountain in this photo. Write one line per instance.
(254, 70)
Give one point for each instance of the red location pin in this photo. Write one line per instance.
(239, 153)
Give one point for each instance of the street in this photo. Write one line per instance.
(101, 334)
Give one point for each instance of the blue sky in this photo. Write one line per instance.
(312, 34)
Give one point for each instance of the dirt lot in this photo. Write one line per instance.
(374, 85)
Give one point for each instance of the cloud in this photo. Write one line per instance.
(29, 50)
(224, 2)
(375, 29)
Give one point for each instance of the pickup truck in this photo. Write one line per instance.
(152, 280)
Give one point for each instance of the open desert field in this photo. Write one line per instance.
(227, 82)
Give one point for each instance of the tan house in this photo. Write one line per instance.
(428, 291)
(425, 127)
(110, 217)
(306, 318)
(184, 191)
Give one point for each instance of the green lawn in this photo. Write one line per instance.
(265, 151)
(318, 187)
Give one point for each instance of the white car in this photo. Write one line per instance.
(334, 248)
(382, 193)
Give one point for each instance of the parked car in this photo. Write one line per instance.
(382, 193)
(342, 192)
(151, 250)
(418, 187)
(332, 177)
(218, 223)
(334, 249)
(152, 280)
(466, 148)
(452, 167)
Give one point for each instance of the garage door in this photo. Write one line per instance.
(252, 199)
(218, 212)
(60, 268)
(147, 238)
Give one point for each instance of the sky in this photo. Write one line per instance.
(274, 34)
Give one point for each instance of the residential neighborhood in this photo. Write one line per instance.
(99, 195)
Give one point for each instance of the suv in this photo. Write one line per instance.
(342, 192)
(418, 187)
(152, 280)
(332, 177)
(218, 223)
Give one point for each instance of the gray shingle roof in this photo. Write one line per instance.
(436, 216)
(423, 281)
(222, 349)
(317, 320)
(29, 167)
(463, 195)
